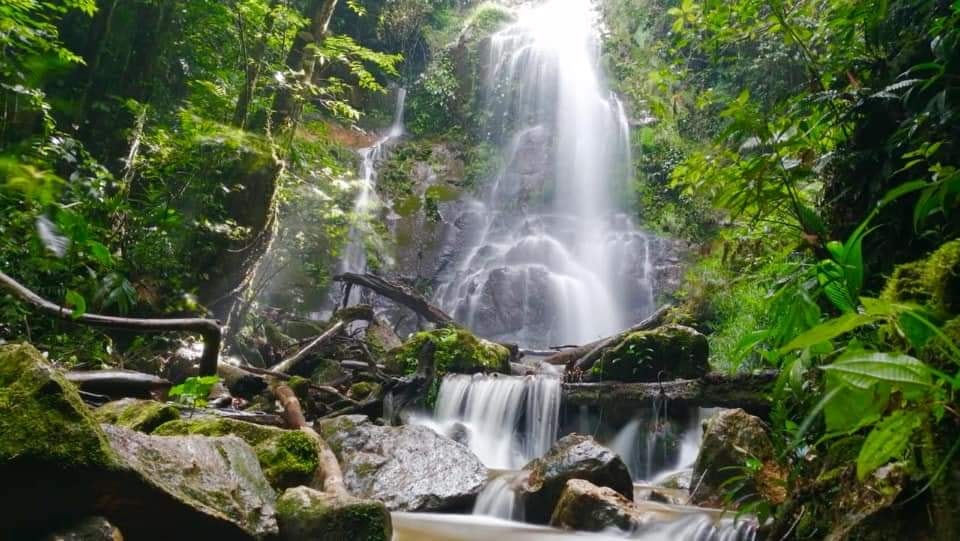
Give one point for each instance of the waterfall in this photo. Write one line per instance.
(554, 260)
(505, 420)
(654, 447)
(367, 204)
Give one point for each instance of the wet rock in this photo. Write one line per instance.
(59, 465)
(587, 507)
(673, 496)
(305, 514)
(679, 480)
(140, 415)
(572, 457)
(408, 468)
(675, 350)
(88, 529)
(288, 458)
(731, 438)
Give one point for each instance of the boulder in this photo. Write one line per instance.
(731, 438)
(587, 507)
(59, 465)
(408, 468)
(675, 350)
(88, 529)
(288, 458)
(305, 514)
(572, 457)
(140, 415)
(458, 351)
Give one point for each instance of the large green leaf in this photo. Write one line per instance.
(863, 370)
(888, 440)
(849, 406)
(828, 330)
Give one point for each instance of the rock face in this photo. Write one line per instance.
(60, 465)
(305, 514)
(408, 468)
(573, 457)
(587, 507)
(140, 415)
(675, 350)
(731, 437)
(288, 458)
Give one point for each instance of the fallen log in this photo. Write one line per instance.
(340, 320)
(583, 357)
(398, 293)
(209, 329)
(119, 383)
(748, 391)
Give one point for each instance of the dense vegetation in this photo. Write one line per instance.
(808, 149)
(812, 147)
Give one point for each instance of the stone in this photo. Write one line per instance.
(458, 351)
(305, 514)
(88, 529)
(676, 351)
(587, 507)
(408, 468)
(731, 438)
(59, 465)
(140, 415)
(288, 458)
(574, 456)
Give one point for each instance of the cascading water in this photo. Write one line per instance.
(367, 204)
(552, 260)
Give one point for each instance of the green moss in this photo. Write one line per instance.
(140, 415)
(42, 417)
(457, 351)
(300, 386)
(307, 514)
(327, 370)
(362, 389)
(288, 458)
(933, 282)
(488, 18)
(678, 351)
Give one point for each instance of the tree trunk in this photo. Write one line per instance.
(252, 72)
(398, 293)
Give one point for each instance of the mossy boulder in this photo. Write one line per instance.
(305, 514)
(59, 465)
(288, 458)
(575, 456)
(933, 282)
(140, 415)
(42, 418)
(675, 350)
(88, 529)
(457, 350)
(363, 389)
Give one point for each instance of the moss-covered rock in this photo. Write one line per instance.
(458, 351)
(933, 282)
(288, 458)
(675, 350)
(362, 390)
(308, 515)
(140, 415)
(42, 418)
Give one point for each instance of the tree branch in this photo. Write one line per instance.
(398, 293)
(209, 329)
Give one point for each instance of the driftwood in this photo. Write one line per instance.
(209, 329)
(398, 293)
(341, 320)
(329, 474)
(584, 356)
(118, 383)
(747, 391)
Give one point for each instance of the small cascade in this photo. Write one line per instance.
(367, 204)
(505, 420)
(499, 499)
(655, 447)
